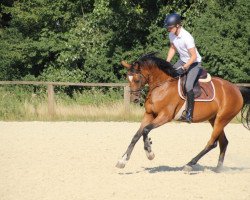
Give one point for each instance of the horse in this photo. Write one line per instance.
(163, 103)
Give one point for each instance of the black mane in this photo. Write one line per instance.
(151, 59)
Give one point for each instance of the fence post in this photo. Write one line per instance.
(51, 102)
(126, 98)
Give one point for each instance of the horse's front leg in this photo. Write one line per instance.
(144, 130)
(147, 147)
(146, 120)
(158, 121)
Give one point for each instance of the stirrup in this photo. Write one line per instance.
(185, 117)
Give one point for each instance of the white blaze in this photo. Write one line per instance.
(130, 78)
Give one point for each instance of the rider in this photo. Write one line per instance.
(189, 61)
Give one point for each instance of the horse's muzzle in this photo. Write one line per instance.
(136, 100)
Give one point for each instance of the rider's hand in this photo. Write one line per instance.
(180, 70)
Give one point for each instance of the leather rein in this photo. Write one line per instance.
(151, 88)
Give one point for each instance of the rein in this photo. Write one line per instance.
(151, 88)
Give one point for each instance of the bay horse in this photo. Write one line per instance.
(163, 103)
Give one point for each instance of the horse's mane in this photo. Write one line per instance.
(152, 60)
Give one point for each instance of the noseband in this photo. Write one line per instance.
(137, 71)
(140, 89)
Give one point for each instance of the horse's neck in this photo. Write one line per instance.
(158, 77)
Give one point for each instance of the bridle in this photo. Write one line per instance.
(134, 71)
(144, 78)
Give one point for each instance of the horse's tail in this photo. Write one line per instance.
(245, 111)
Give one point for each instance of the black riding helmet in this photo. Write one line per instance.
(172, 20)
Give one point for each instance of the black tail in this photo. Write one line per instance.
(245, 111)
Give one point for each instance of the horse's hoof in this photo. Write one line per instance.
(218, 169)
(187, 168)
(120, 164)
(150, 155)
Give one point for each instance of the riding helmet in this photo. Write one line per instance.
(172, 20)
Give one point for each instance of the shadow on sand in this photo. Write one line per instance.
(196, 169)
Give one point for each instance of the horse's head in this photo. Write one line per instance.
(136, 79)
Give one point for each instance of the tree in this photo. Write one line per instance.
(222, 35)
(84, 41)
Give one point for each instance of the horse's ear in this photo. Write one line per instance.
(125, 64)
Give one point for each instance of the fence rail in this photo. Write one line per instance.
(243, 84)
(51, 93)
(63, 83)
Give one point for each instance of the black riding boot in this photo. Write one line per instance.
(190, 106)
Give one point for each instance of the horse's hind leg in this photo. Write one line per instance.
(223, 142)
(223, 147)
(189, 166)
(218, 126)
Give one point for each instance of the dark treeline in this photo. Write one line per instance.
(85, 40)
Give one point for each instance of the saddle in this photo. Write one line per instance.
(203, 88)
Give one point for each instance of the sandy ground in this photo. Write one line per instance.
(76, 161)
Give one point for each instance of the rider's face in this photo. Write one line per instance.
(172, 29)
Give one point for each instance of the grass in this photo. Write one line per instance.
(22, 104)
(105, 112)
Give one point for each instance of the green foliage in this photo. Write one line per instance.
(84, 41)
(12, 101)
(25, 102)
(97, 97)
(222, 35)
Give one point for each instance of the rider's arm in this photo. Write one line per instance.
(171, 52)
(193, 56)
